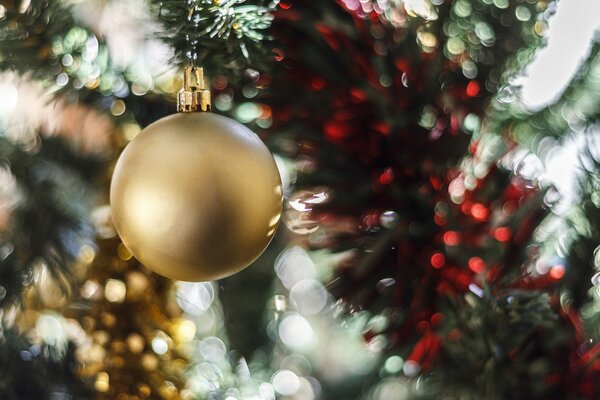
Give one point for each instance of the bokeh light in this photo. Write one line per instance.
(285, 382)
(296, 332)
(309, 296)
(293, 265)
(195, 297)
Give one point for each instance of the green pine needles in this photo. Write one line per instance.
(26, 34)
(217, 34)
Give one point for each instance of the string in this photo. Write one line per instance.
(192, 53)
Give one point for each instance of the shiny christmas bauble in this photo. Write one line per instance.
(196, 196)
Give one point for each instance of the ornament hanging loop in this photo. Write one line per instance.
(194, 96)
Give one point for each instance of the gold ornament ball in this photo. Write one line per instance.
(196, 196)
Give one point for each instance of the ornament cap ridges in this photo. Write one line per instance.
(194, 96)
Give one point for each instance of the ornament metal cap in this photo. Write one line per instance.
(194, 96)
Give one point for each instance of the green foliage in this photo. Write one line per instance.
(376, 91)
(360, 97)
(582, 287)
(26, 35)
(578, 105)
(223, 36)
(49, 221)
(37, 372)
(378, 122)
(496, 344)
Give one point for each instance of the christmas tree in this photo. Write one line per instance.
(425, 251)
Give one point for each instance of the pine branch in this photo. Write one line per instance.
(31, 371)
(45, 40)
(491, 345)
(582, 284)
(579, 105)
(225, 36)
(48, 225)
(27, 35)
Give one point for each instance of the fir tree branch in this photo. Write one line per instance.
(493, 344)
(26, 35)
(37, 372)
(578, 105)
(225, 36)
(581, 285)
(49, 223)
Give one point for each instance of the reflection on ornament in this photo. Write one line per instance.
(297, 214)
(388, 219)
(196, 196)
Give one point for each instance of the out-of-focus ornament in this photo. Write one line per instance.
(388, 219)
(297, 214)
(196, 196)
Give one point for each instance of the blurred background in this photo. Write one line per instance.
(441, 222)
